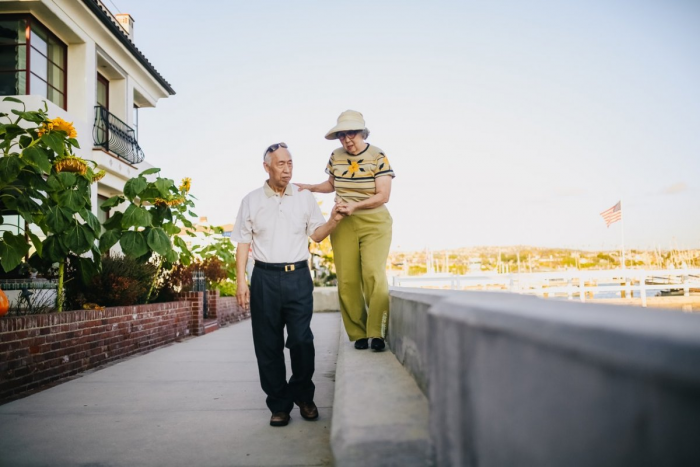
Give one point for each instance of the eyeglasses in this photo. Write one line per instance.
(349, 134)
(275, 147)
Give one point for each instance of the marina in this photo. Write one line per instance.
(570, 284)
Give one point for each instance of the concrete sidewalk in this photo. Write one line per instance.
(195, 403)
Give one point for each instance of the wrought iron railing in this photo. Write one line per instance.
(116, 136)
(199, 284)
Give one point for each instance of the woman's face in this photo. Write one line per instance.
(352, 141)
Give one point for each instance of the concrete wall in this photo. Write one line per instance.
(516, 380)
(408, 329)
(326, 299)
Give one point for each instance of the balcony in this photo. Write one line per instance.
(115, 136)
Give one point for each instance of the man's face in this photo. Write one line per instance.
(280, 168)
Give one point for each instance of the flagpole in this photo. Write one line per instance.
(622, 220)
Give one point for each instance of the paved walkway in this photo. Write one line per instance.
(195, 403)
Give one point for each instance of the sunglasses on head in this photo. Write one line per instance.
(275, 147)
(348, 134)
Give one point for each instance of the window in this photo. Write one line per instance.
(102, 91)
(102, 99)
(32, 60)
(12, 222)
(102, 216)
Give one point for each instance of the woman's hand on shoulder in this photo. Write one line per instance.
(303, 186)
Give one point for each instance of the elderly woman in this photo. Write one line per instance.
(360, 175)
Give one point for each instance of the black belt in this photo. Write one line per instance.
(286, 267)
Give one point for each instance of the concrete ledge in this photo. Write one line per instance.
(522, 381)
(408, 325)
(408, 330)
(326, 299)
(380, 416)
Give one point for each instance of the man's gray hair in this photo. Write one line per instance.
(365, 133)
(268, 156)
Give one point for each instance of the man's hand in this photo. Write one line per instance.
(242, 292)
(325, 230)
(336, 215)
(243, 295)
(347, 209)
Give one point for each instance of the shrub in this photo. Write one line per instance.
(123, 281)
(181, 276)
(226, 288)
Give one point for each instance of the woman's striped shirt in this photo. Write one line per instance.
(355, 174)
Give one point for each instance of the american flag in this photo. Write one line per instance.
(613, 214)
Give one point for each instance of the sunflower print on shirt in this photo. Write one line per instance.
(354, 167)
(382, 163)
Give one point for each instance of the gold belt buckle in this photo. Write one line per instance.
(288, 267)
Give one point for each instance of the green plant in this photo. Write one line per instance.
(123, 281)
(181, 276)
(226, 288)
(147, 230)
(220, 248)
(47, 185)
(217, 259)
(33, 302)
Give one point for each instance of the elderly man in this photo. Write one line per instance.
(278, 220)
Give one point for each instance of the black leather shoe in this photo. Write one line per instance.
(280, 419)
(378, 344)
(361, 344)
(308, 410)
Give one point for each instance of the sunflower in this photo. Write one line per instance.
(98, 176)
(186, 184)
(71, 164)
(164, 202)
(45, 128)
(58, 124)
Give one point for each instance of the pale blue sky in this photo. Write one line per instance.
(506, 122)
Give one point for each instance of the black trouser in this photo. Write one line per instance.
(279, 298)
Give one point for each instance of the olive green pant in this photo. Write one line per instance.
(360, 248)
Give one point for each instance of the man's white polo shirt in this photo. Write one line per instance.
(278, 226)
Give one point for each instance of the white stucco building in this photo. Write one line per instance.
(81, 59)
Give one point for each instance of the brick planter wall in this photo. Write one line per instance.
(225, 309)
(196, 301)
(40, 349)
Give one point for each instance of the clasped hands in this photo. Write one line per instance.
(341, 210)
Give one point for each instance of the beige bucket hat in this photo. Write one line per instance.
(348, 120)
